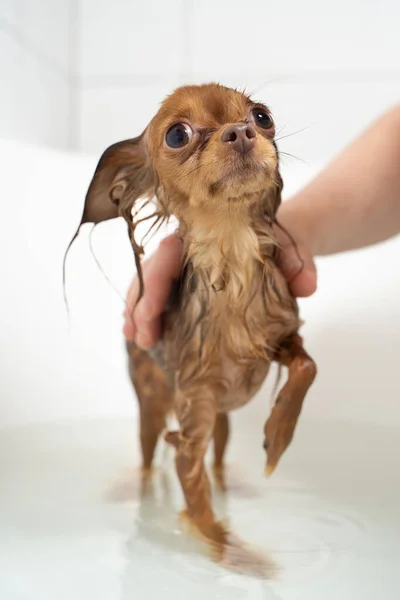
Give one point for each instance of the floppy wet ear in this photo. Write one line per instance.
(123, 175)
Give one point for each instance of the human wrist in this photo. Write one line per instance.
(296, 216)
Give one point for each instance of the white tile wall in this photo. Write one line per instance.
(36, 80)
(320, 117)
(329, 67)
(267, 39)
(131, 37)
(89, 72)
(35, 101)
(45, 24)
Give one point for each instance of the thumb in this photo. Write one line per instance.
(298, 267)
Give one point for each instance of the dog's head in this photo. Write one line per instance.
(207, 147)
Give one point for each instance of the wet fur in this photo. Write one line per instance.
(231, 313)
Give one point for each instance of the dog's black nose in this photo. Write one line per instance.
(240, 137)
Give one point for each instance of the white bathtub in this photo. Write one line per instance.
(329, 516)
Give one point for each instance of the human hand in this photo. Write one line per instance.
(296, 261)
(143, 323)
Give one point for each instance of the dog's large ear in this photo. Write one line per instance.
(123, 175)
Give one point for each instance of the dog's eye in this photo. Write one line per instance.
(262, 118)
(178, 135)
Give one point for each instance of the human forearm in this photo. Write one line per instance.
(355, 200)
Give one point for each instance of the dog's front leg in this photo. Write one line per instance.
(197, 412)
(280, 426)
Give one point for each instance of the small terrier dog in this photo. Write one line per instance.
(209, 158)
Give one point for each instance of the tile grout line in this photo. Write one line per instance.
(73, 71)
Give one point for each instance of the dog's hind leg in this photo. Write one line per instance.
(155, 397)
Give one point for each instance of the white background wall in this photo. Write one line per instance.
(84, 73)
(37, 64)
(329, 67)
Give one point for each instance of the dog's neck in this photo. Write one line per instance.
(224, 247)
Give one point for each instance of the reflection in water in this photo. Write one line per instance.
(332, 531)
(304, 541)
(173, 556)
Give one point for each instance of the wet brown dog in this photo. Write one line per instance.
(209, 158)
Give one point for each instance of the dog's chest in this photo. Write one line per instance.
(253, 323)
(248, 339)
(229, 335)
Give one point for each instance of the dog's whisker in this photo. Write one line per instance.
(294, 133)
(295, 157)
(280, 131)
